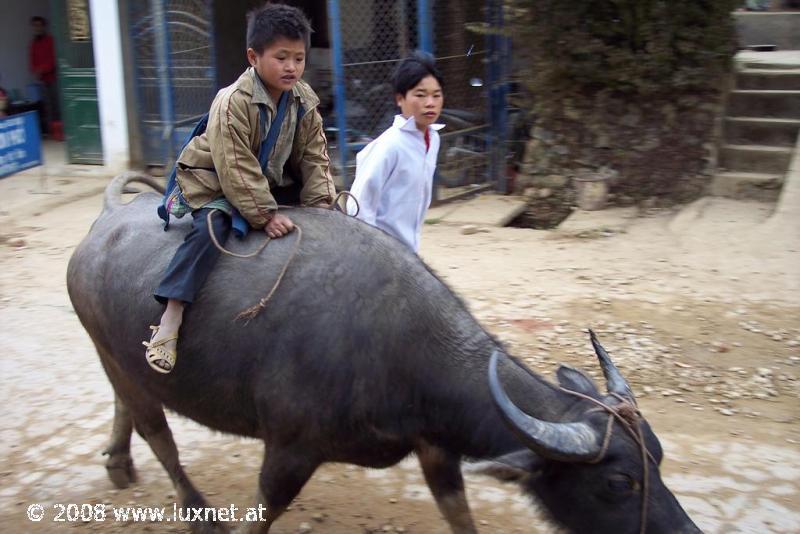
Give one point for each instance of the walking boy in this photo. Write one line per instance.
(394, 173)
(223, 169)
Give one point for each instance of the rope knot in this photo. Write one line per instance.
(628, 412)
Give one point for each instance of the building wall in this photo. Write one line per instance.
(15, 37)
(230, 29)
(229, 39)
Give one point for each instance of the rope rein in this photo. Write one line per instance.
(628, 415)
(251, 312)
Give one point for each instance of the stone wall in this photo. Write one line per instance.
(630, 90)
(657, 152)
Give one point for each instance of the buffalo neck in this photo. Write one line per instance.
(460, 406)
(448, 362)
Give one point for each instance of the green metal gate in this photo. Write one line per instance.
(71, 30)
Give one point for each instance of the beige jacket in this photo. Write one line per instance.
(224, 160)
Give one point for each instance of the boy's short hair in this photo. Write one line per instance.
(39, 19)
(412, 70)
(270, 22)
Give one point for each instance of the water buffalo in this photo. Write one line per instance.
(361, 356)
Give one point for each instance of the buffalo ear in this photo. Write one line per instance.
(571, 378)
(516, 466)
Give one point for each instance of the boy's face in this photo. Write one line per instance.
(280, 65)
(423, 102)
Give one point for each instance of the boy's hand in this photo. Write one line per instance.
(279, 226)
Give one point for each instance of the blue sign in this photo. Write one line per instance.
(20, 143)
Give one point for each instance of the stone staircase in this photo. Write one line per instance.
(759, 132)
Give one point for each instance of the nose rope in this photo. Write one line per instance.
(628, 415)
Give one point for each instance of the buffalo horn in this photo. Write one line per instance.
(615, 383)
(566, 442)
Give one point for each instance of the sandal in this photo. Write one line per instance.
(158, 357)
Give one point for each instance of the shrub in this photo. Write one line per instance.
(640, 48)
(627, 85)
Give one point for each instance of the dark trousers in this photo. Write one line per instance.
(195, 258)
(49, 109)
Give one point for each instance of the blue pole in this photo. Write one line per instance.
(339, 87)
(498, 54)
(501, 59)
(161, 33)
(212, 56)
(424, 26)
(491, 84)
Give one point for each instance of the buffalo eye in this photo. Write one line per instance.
(620, 483)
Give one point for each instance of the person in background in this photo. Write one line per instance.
(3, 103)
(43, 66)
(394, 173)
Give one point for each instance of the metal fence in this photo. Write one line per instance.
(369, 37)
(461, 56)
(172, 48)
(175, 81)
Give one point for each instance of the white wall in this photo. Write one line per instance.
(107, 46)
(15, 37)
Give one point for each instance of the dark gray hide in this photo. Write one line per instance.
(362, 356)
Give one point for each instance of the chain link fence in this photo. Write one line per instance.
(375, 35)
(374, 40)
(461, 55)
(172, 48)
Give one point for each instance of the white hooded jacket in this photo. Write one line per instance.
(394, 180)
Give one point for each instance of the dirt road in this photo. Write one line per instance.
(699, 308)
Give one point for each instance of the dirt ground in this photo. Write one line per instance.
(699, 307)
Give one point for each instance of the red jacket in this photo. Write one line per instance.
(43, 58)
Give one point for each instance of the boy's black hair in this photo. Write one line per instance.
(37, 18)
(270, 22)
(412, 70)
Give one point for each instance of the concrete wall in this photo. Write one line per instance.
(111, 100)
(781, 29)
(15, 37)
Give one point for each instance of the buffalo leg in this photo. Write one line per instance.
(442, 472)
(283, 474)
(119, 464)
(152, 425)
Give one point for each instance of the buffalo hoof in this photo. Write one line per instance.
(208, 528)
(121, 471)
(196, 501)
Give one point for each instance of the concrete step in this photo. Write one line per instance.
(752, 186)
(757, 103)
(766, 79)
(758, 131)
(755, 158)
(770, 65)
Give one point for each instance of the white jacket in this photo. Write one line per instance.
(394, 180)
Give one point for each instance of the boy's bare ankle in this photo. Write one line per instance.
(166, 328)
(171, 319)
